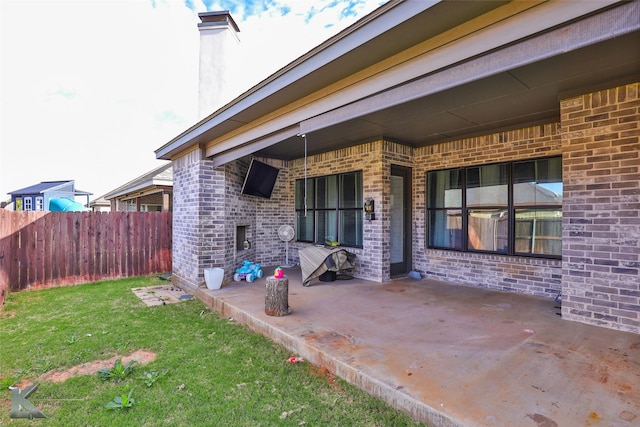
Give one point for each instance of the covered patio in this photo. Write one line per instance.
(452, 355)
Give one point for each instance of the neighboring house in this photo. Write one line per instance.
(100, 205)
(150, 192)
(497, 144)
(38, 197)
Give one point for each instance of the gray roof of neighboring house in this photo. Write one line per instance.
(100, 201)
(40, 187)
(45, 186)
(160, 176)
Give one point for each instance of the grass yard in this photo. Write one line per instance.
(207, 370)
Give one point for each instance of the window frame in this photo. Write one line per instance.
(27, 204)
(513, 212)
(336, 211)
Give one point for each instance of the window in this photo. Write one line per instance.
(28, 204)
(333, 210)
(487, 208)
(510, 208)
(445, 213)
(537, 200)
(39, 203)
(241, 237)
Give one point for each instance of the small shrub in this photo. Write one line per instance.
(118, 373)
(44, 365)
(12, 380)
(150, 378)
(8, 381)
(123, 401)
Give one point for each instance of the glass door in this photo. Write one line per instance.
(400, 217)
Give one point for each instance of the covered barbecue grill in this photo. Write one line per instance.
(317, 260)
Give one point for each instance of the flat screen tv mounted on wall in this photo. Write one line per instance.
(260, 179)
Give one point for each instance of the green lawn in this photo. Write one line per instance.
(217, 372)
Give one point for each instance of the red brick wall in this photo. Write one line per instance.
(601, 222)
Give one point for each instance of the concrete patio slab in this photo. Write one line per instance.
(452, 355)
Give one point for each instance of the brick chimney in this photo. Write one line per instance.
(218, 49)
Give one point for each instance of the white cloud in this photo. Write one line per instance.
(91, 88)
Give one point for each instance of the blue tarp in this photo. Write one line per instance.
(65, 205)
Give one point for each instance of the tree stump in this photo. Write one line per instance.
(276, 300)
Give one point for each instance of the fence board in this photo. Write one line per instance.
(134, 236)
(15, 254)
(58, 227)
(99, 242)
(123, 232)
(139, 246)
(112, 261)
(23, 255)
(5, 255)
(42, 249)
(30, 233)
(66, 241)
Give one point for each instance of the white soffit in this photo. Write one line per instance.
(594, 29)
(408, 80)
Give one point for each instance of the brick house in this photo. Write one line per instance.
(150, 192)
(499, 142)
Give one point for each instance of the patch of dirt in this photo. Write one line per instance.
(328, 376)
(142, 357)
(334, 339)
(6, 314)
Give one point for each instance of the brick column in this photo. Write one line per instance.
(601, 222)
(198, 219)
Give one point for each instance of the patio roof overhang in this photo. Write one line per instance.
(155, 181)
(147, 189)
(424, 72)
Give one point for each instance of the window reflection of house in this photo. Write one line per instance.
(508, 208)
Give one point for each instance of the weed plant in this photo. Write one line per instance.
(213, 371)
(118, 373)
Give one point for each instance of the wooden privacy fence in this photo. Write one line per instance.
(43, 249)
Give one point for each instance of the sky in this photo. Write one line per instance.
(90, 88)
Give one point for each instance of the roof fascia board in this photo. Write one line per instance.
(222, 157)
(611, 23)
(396, 11)
(143, 193)
(139, 187)
(59, 186)
(362, 96)
(347, 40)
(124, 191)
(146, 179)
(31, 189)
